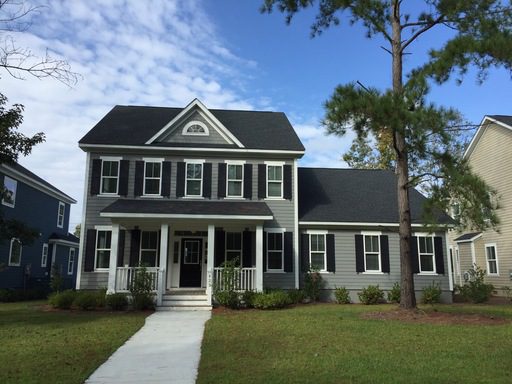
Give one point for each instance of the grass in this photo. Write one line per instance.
(58, 347)
(331, 344)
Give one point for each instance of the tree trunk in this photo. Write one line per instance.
(407, 296)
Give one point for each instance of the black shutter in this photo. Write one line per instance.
(288, 251)
(247, 249)
(331, 254)
(384, 253)
(135, 248)
(287, 180)
(438, 250)
(265, 251)
(220, 247)
(95, 177)
(221, 187)
(359, 253)
(304, 252)
(90, 250)
(139, 178)
(180, 180)
(414, 254)
(120, 248)
(248, 181)
(158, 236)
(207, 180)
(262, 181)
(166, 179)
(124, 169)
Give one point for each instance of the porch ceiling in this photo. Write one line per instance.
(188, 209)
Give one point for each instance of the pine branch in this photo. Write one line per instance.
(420, 32)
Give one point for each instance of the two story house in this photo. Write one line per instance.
(181, 190)
(488, 151)
(39, 205)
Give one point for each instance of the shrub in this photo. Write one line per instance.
(141, 289)
(476, 290)
(229, 299)
(313, 283)
(86, 300)
(13, 295)
(116, 301)
(247, 299)
(431, 294)
(62, 300)
(225, 290)
(371, 295)
(507, 292)
(271, 300)
(101, 298)
(296, 296)
(56, 280)
(342, 295)
(394, 293)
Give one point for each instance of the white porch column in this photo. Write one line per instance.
(259, 258)
(210, 261)
(162, 271)
(112, 266)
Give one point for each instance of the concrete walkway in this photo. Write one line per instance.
(165, 350)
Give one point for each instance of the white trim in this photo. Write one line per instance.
(240, 164)
(431, 236)
(473, 254)
(324, 251)
(15, 193)
(222, 130)
(274, 164)
(201, 161)
(185, 132)
(194, 162)
(10, 252)
(451, 275)
(111, 230)
(111, 160)
(480, 132)
(190, 149)
(379, 254)
(62, 242)
(259, 258)
(154, 161)
(296, 223)
(360, 223)
(72, 264)
(492, 245)
(36, 184)
(371, 233)
(317, 232)
(469, 240)
(61, 204)
(266, 251)
(185, 216)
(101, 228)
(44, 256)
(149, 249)
(275, 230)
(82, 225)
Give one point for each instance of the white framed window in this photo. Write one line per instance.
(195, 128)
(372, 252)
(317, 253)
(492, 260)
(274, 180)
(71, 261)
(15, 252)
(234, 246)
(148, 248)
(103, 244)
(275, 251)
(194, 179)
(44, 255)
(426, 254)
(109, 177)
(9, 195)
(152, 177)
(60, 214)
(235, 180)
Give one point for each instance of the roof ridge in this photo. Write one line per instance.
(348, 169)
(210, 109)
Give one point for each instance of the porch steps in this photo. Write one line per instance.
(184, 301)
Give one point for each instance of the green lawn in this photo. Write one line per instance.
(332, 344)
(58, 347)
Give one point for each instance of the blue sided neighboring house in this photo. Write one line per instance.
(39, 205)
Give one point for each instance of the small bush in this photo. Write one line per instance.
(296, 296)
(371, 295)
(225, 290)
(313, 284)
(86, 300)
(431, 294)
(101, 298)
(141, 290)
(271, 300)
(394, 293)
(116, 301)
(342, 295)
(229, 299)
(476, 290)
(13, 295)
(56, 280)
(507, 291)
(143, 302)
(247, 299)
(62, 300)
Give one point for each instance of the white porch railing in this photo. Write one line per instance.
(124, 277)
(245, 281)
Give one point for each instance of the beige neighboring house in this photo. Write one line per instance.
(490, 156)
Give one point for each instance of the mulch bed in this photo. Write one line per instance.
(436, 317)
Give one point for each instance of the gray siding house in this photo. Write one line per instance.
(182, 190)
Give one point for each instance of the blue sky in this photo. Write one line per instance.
(222, 51)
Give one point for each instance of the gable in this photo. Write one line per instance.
(490, 126)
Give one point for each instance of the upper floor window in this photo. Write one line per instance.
(235, 180)
(71, 261)
(60, 214)
(15, 253)
(103, 244)
(372, 260)
(109, 177)
(274, 180)
(195, 128)
(148, 248)
(275, 253)
(44, 255)
(152, 178)
(9, 194)
(492, 259)
(317, 254)
(194, 179)
(426, 254)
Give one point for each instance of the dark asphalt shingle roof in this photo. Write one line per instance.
(354, 195)
(467, 236)
(182, 207)
(506, 119)
(135, 125)
(68, 237)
